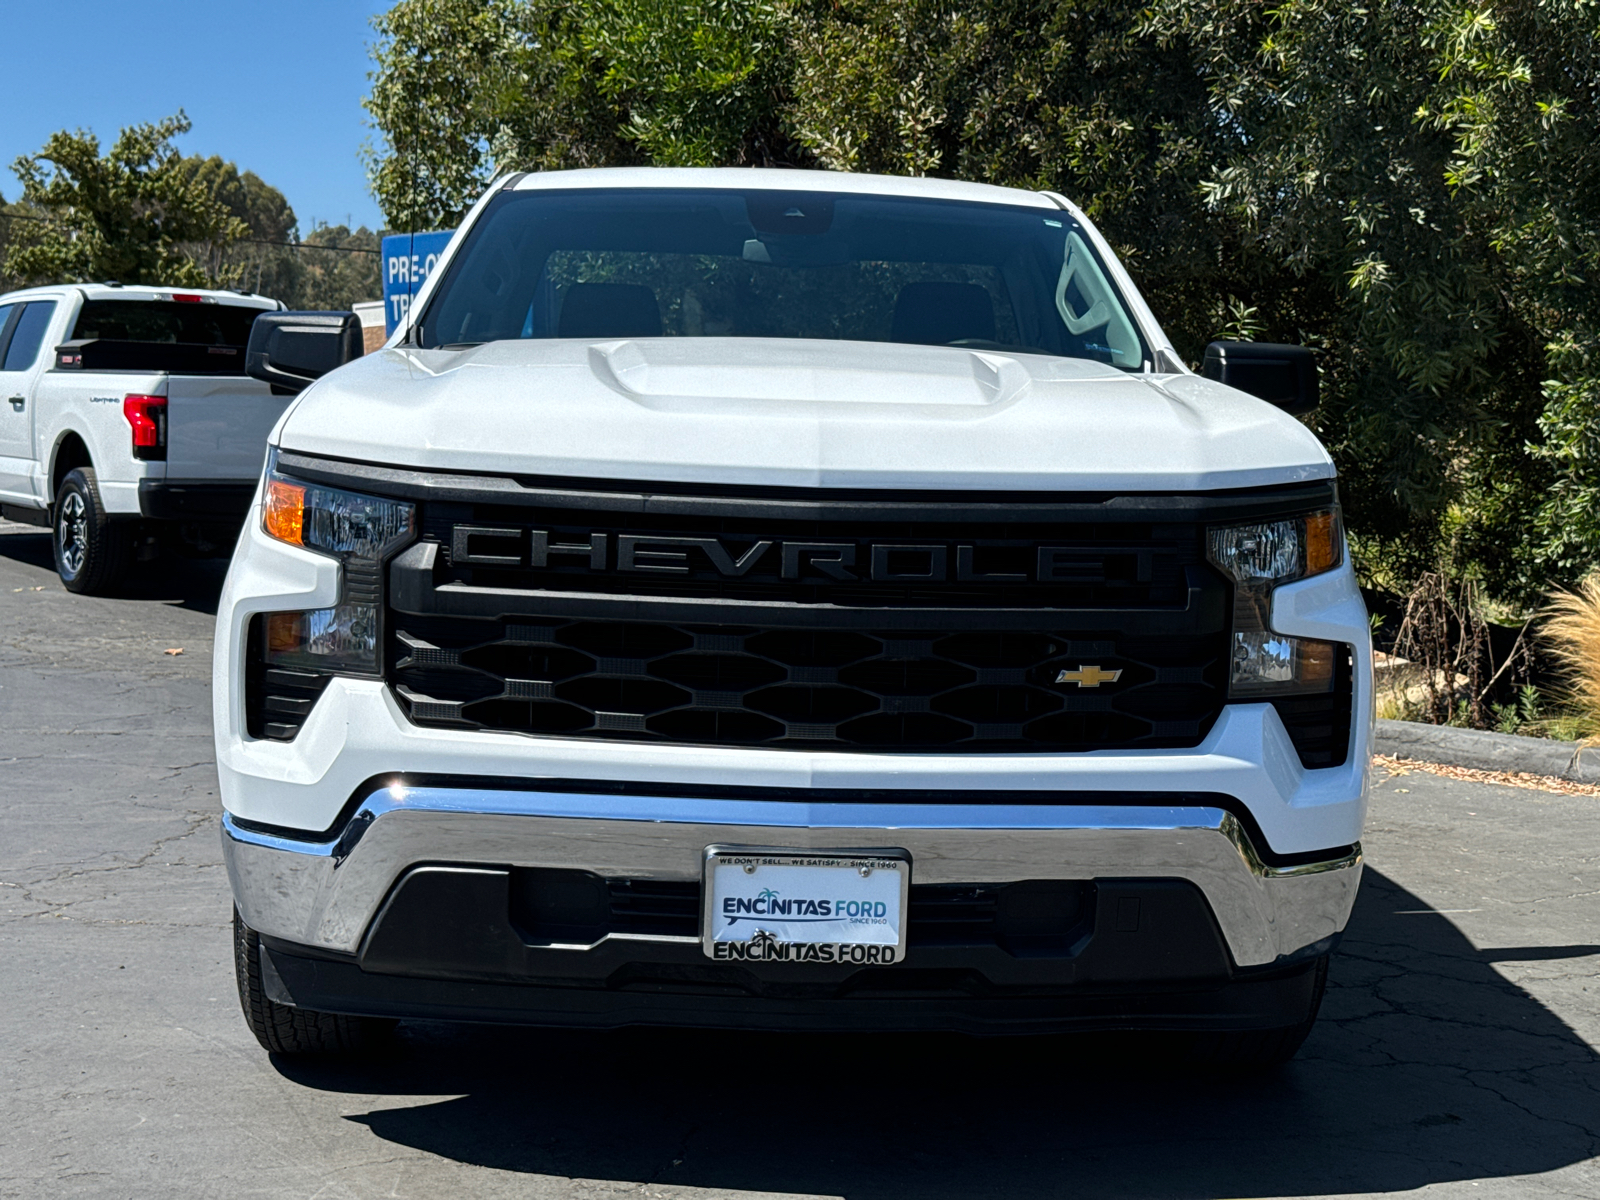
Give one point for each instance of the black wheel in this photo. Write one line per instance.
(92, 551)
(1259, 1049)
(282, 1029)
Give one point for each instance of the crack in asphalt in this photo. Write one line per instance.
(1542, 1118)
(195, 822)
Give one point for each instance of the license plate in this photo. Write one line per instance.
(822, 906)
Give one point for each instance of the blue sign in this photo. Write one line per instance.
(408, 260)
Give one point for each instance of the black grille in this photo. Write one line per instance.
(276, 701)
(1031, 917)
(1319, 726)
(557, 905)
(818, 618)
(654, 906)
(867, 689)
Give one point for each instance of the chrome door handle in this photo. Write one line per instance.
(17, 402)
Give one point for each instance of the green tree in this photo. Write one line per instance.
(1435, 164)
(262, 260)
(464, 88)
(12, 216)
(467, 89)
(693, 85)
(1070, 97)
(125, 215)
(339, 267)
(1035, 93)
(1412, 188)
(331, 267)
(1520, 98)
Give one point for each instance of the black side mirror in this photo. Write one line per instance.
(1281, 375)
(290, 350)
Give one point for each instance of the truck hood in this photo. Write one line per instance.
(801, 413)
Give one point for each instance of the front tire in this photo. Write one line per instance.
(92, 552)
(283, 1029)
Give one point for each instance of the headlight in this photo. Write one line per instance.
(1274, 552)
(360, 531)
(1258, 558)
(347, 525)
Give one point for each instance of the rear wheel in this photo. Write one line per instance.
(92, 551)
(1259, 1049)
(284, 1029)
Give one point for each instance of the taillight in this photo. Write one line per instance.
(148, 417)
(187, 298)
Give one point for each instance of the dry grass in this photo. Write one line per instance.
(1572, 630)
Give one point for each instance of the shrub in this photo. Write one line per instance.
(1572, 629)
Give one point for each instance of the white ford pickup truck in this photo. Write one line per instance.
(124, 410)
(792, 601)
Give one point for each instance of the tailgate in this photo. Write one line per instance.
(217, 426)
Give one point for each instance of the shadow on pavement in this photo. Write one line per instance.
(1427, 1066)
(192, 583)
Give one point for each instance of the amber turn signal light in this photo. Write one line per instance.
(285, 632)
(1315, 663)
(1324, 546)
(286, 511)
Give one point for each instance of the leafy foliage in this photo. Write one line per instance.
(254, 260)
(1073, 98)
(13, 216)
(468, 87)
(122, 216)
(331, 267)
(336, 267)
(694, 83)
(1438, 161)
(1412, 188)
(144, 214)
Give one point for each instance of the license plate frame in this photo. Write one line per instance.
(828, 866)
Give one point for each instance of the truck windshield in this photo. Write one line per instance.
(604, 264)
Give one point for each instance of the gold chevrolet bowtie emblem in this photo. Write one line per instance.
(1089, 676)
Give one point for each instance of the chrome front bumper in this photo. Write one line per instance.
(325, 894)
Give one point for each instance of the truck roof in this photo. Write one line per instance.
(116, 291)
(780, 180)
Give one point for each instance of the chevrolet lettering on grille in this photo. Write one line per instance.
(840, 560)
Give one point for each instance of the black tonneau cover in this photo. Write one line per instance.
(175, 358)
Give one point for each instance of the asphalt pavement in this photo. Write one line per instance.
(1456, 1054)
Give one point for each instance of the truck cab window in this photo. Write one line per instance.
(28, 336)
(165, 321)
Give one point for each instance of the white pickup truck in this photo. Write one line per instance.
(124, 410)
(791, 600)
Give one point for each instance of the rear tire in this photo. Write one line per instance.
(1255, 1050)
(92, 551)
(283, 1029)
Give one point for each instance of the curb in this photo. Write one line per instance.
(1487, 751)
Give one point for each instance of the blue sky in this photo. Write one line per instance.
(275, 87)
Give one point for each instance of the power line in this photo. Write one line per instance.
(313, 246)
